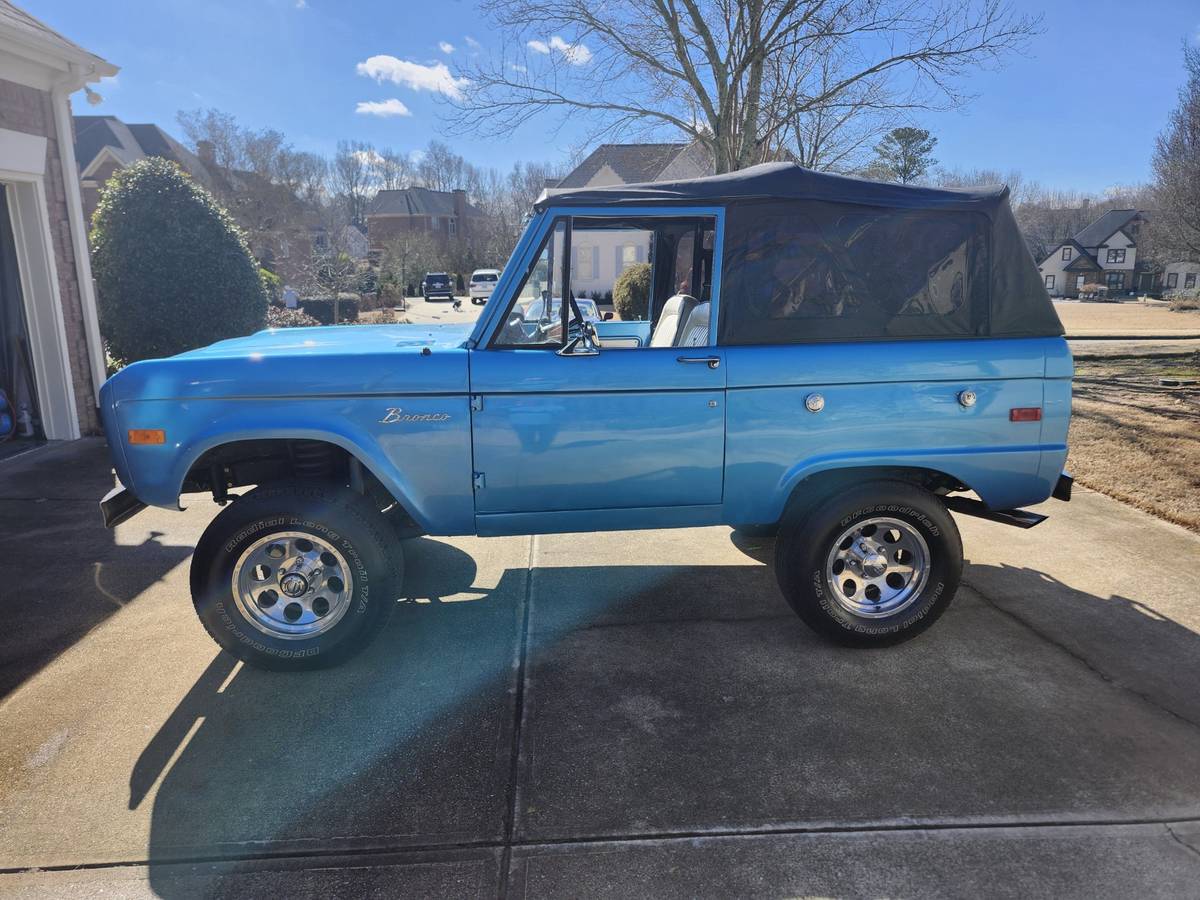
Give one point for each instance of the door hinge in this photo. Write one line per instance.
(476, 402)
(478, 481)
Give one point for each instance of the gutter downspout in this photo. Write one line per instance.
(60, 100)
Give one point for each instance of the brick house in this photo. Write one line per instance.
(104, 144)
(51, 356)
(444, 214)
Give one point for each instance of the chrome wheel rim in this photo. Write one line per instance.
(292, 585)
(877, 567)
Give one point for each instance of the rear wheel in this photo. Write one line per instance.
(871, 566)
(296, 576)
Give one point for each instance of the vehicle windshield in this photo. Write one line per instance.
(484, 276)
(534, 310)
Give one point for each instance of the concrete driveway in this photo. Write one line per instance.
(599, 715)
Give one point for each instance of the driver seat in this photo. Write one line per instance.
(675, 313)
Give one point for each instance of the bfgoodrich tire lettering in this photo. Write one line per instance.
(329, 516)
(809, 540)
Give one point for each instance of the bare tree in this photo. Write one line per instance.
(1177, 168)
(393, 170)
(441, 169)
(351, 177)
(735, 75)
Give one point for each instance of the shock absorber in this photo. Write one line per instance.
(312, 459)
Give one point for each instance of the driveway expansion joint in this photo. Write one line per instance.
(1174, 834)
(882, 827)
(1081, 659)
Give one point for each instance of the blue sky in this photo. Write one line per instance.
(1079, 110)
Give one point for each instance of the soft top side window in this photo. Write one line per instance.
(821, 271)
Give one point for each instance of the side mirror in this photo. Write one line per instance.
(608, 317)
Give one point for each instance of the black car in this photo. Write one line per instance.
(437, 284)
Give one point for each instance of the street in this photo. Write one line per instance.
(610, 714)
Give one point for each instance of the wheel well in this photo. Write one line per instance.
(265, 460)
(820, 485)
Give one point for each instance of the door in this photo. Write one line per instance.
(634, 427)
(623, 429)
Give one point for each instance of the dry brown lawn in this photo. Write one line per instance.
(1127, 318)
(1137, 440)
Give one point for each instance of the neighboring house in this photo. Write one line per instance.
(445, 214)
(1104, 253)
(51, 356)
(602, 256)
(1181, 276)
(611, 164)
(104, 144)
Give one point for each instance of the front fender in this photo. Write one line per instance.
(424, 463)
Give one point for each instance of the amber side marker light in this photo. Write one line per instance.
(1025, 414)
(147, 436)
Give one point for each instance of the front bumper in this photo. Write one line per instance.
(119, 505)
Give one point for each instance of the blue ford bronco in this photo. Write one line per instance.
(837, 361)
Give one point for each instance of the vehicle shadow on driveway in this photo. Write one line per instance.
(641, 684)
(66, 573)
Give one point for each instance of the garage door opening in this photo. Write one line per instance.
(20, 416)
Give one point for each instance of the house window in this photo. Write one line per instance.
(284, 249)
(452, 225)
(1115, 256)
(629, 256)
(1049, 282)
(1115, 281)
(1189, 280)
(1066, 254)
(585, 262)
(1172, 280)
(1080, 281)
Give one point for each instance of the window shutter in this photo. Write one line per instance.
(617, 261)
(596, 261)
(641, 253)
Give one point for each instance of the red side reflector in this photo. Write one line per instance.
(147, 436)
(1025, 414)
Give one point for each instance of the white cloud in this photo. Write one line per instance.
(383, 108)
(517, 67)
(301, 4)
(446, 47)
(435, 77)
(471, 42)
(575, 54)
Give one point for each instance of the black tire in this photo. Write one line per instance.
(335, 517)
(806, 542)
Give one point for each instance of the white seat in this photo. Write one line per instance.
(674, 313)
(695, 330)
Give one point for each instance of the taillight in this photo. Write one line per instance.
(1025, 414)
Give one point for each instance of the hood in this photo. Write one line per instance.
(391, 360)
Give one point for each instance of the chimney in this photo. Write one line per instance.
(460, 208)
(206, 152)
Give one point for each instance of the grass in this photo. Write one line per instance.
(1127, 318)
(1136, 440)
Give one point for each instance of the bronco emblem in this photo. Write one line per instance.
(395, 414)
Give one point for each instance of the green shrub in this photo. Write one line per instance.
(173, 271)
(321, 309)
(631, 293)
(272, 285)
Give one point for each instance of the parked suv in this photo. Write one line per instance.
(840, 361)
(483, 282)
(437, 284)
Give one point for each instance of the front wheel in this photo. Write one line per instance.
(296, 576)
(871, 566)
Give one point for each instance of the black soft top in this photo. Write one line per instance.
(780, 181)
(882, 242)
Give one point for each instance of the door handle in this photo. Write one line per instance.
(712, 361)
